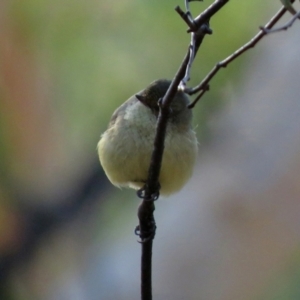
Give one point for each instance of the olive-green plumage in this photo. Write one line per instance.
(125, 148)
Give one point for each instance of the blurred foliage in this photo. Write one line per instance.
(75, 61)
(96, 54)
(285, 284)
(79, 60)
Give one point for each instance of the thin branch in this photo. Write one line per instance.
(205, 89)
(147, 227)
(146, 231)
(209, 12)
(284, 27)
(146, 274)
(187, 18)
(234, 55)
(196, 40)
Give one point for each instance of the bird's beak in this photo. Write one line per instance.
(140, 98)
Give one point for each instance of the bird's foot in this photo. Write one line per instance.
(146, 235)
(141, 193)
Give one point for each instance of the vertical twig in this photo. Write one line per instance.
(147, 226)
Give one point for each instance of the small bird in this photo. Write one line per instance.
(125, 148)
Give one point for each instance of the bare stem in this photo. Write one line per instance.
(223, 64)
(284, 27)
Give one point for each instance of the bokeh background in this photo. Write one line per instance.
(67, 233)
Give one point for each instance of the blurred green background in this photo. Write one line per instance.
(65, 66)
